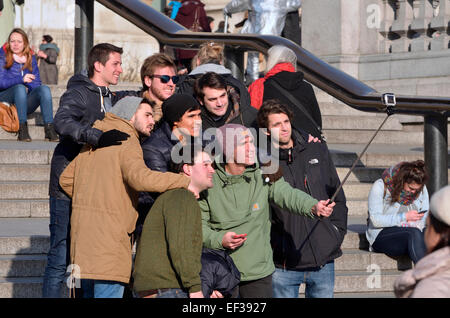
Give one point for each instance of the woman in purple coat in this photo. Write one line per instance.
(20, 84)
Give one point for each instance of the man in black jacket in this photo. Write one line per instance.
(181, 120)
(221, 103)
(304, 248)
(86, 100)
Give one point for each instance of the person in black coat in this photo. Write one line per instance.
(211, 58)
(304, 249)
(284, 83)
(86, 100)
(181, 120)
(221, 104)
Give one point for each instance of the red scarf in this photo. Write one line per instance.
(256, 89)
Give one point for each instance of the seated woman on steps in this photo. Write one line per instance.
(398, 208)
(20, 84)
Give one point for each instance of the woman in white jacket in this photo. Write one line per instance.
(398, 207)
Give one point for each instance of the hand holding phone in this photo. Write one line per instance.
(232, 240)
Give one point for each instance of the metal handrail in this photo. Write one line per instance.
(326, 77)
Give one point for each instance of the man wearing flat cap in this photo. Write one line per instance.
(104, 184)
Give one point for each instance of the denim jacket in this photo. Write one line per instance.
(383, 214)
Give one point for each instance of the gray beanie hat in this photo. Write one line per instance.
(126, 107)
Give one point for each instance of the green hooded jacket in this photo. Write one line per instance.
(241, 204)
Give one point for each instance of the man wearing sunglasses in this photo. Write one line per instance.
(158, 76)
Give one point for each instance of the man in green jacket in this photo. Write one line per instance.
(168, 258)
(236, 211)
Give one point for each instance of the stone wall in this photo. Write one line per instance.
(397, 45)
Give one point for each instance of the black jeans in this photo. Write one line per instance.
(396, 241)
(260, 288)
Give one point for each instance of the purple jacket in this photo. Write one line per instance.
(14, 75)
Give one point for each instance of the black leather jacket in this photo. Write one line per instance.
(79, 107)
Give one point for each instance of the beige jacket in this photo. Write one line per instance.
(104, 185)
(429, 279)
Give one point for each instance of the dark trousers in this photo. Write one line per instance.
(396, 241)
(58, 254)
(260, 288)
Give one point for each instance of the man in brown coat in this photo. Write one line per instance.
(104, 184)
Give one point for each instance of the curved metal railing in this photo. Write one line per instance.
(326, 77)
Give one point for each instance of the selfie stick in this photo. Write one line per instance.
(388, 100)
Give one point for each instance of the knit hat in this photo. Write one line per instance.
(229, 136)
(126, 107)
(440, 205)
(280, 54)
(176, 105)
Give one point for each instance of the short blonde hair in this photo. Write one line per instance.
(209, 52)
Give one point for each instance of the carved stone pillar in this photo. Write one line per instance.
(385, 26)
(423, 13)
(403, 19)
(440, 25)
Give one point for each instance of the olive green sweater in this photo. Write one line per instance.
(170, 247)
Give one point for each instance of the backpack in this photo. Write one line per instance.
(9, 119)
(196, 27)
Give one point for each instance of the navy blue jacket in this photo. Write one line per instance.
(14, 75)
(79, 107)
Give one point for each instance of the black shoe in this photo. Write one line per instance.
(50, 133)
(23, 132)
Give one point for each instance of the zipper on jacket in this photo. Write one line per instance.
(290, 155)
(307, 185)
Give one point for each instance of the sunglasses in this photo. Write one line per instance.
(166, 78)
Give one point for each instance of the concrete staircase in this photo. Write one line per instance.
(24, 210)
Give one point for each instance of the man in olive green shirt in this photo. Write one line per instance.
(168, 258)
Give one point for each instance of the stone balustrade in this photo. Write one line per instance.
(415, 26)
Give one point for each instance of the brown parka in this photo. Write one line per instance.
(104, 185)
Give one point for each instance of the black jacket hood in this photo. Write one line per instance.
(288, 80)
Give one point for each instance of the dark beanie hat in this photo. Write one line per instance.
(176, 105)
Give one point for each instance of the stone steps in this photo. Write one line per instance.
(24, 242)
(24, 167)
(362, 122)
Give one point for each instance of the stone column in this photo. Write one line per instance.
(403, 18)
(423, 13)
(332, 28)
(440, 24)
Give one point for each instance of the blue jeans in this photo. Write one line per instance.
(102, 288)
(397, 241)
(319, 283)
(27, 103)
(58, 254)
(173, 293)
